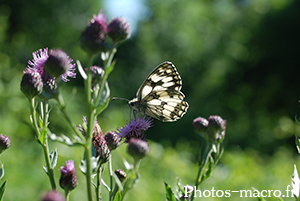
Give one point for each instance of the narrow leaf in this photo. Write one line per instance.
(81, 71)
(297, 140)
(2, 189)
(53, 158)
(118, 196)
(295, 183)
(105, 185)
(169, 193)
(118, 182)
(1, 170)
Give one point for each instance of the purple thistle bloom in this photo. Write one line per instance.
(39, 59)
(135, 128)
(100, 19)
(53, 196)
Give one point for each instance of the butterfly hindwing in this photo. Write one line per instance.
(160, 96)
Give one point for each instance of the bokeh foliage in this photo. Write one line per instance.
(237, 59)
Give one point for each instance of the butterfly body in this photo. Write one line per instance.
(159, 96)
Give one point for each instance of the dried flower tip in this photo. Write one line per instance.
(68, 179)
(118, 29)
(57, 63)
(4, 143)
(112, 140)
(137, 148)
(93, 37)
(31, 84)
(200, 125)
(53, 196)
(121, 174)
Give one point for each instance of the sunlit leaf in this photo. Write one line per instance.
(1, 170)
(53, 158)
(81, 70)
(297, 140)
(2, 190)
(169, 193)
(295, 182)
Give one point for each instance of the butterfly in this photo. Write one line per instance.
(159, 96)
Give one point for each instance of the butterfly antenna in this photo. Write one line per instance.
(116, 98)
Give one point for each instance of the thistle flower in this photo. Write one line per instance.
(137, 148)
(216, 128)
(118, 29)
(112, 139)
(53, 196)
(58, 63)
(93, 37)
(4, 143)
(135, 128)
(121, 174)
(40, 58)
(68, 179)
(31, 84)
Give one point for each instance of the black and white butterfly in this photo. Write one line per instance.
(160, 96)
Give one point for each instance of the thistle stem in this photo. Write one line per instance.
(207, 152)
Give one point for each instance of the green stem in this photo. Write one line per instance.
(205, 155)
(67, 193)
(131, 179)
(98, 187)
(62, 108)
(110, 179)
(48, 165)
(33, 117)
(89, 133)
(107, 64)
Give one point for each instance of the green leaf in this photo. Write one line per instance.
(1, 170)
(105, 95)
(81, 70)
(118, 196)
(93, 163)
(295, 183)
(2, 189)
(65, 140)
(169, 193)
(258, 198)
(118, 182)
(105, 185)
(53, 158)
(297, 140)
(127, 165)
(43, 136)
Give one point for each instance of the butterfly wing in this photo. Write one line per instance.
(160, 96)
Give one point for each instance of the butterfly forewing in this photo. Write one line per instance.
(160, 96)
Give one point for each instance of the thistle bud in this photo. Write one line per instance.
(4, 143)
(97, 74)
(31, 84)
(112, 140)
(137, 148)
(216, 128)
(57, 63)
(100, 145)
(121, 174)
(53, 196)
(93, 37)
(200, 125)
(118, 29)
(68, 179)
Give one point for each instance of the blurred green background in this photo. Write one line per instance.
(237, 58)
